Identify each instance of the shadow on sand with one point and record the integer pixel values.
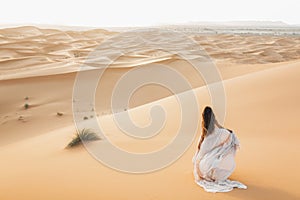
(261, 193)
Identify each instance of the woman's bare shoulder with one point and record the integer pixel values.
(224, 133)
(223, 130)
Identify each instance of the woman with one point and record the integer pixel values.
(214, 158)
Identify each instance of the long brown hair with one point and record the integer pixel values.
(208, 123)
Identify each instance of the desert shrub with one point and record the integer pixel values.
(59, 114)
(83, 135)
(26, 105)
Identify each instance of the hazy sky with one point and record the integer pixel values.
(143, 13)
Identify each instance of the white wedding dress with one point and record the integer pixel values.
(214, 163)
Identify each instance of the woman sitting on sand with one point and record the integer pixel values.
(214, 158)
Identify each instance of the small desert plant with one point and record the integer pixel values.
(77, 54)
(59, 114)
(26, 105)
(83, 135)
(21, 118)
(85, 118)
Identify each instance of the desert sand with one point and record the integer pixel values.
(38, 67)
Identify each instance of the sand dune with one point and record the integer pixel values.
(252, 49)
(38, 67)
(23, 47)
(267, 136)
(73, 47)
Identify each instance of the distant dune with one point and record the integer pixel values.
(30, 51)
(242, 23)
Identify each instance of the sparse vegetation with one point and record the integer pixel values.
(26, 98)
(59, 114)
(85, 118)
(77, 54)
(21, 118)
(26, 106)
(83, 135)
